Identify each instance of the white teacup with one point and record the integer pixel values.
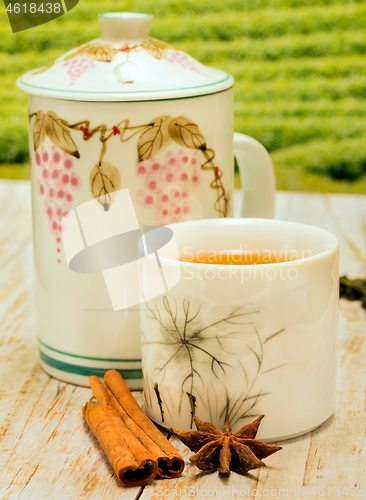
(245, 340)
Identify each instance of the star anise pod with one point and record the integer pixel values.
(225, 451)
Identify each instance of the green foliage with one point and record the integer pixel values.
(13, 145)
(304, 69)
(335, 43)
(299, 65)
(308, 90)
(340, 160)
(190, 7)
(289, 109)
(16, 64)
(276, 133)
(14, 171)
(265, 24)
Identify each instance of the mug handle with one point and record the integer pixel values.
(258, 183)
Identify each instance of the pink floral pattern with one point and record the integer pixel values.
(77, 67)
(56, 182)
(168, 185)
(181, 58)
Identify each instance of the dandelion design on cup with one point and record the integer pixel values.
(197, 354)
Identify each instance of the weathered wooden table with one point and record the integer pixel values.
(48, 453)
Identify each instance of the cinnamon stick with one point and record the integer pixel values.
(170, 463)
(163, 461)
(130, 460)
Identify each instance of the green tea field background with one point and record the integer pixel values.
(299, 66)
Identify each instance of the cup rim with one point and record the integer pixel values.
(252, 220)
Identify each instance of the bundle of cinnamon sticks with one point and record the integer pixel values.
(134, 446)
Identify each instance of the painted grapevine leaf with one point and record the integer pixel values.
(97, 51)
(39, 133)
(155, 138)
(156, 48)
(104, 179)
(186, 133)
(58, 131)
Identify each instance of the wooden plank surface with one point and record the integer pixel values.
(47, 451)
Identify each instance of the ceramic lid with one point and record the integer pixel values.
(124, 64)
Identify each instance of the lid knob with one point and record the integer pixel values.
(125, 26)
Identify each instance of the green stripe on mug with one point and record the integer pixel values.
(87, 371)
(113, 360)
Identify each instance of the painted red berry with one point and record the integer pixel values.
(84, 130)
(68, 163)
(56, 157)
(38, 158)
(116, 130)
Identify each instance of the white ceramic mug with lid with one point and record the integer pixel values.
(125, 111)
